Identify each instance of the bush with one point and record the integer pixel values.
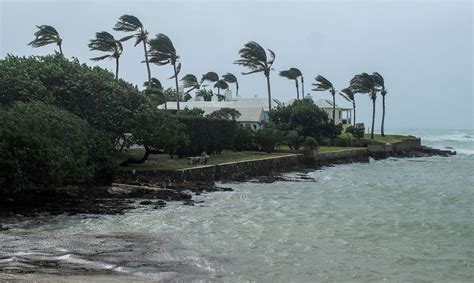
(356, 132)
(41, 146)
(207, 135)
(93, 94)
(243, 139)
(267, 139)
(293, 140)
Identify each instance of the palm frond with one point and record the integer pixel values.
(190, 80)
(288, 74)
(322, 84)
(126, 38)
(230, 78)
(347, 94)
(45, 35)
(162, 51)
(272, 57)
(210, 76)
(106, 42)
(221, 84)
(128, 23)
(101, 58)
(155, 83)
(254, 57)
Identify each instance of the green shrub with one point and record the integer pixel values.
(293, 140)
(41, 146)
(93, 94)
(356, 132)
(267, 139)
(207, 135)
(243, 139)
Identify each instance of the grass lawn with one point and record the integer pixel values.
(387, 138)
(336, 148)
(164, 162)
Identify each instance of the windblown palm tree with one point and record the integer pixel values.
(322, 84)
(220, 84)
(106, 42)
(210, 77)
(162, 52)
(364, 83)
(190, 81)
(254, 57)
(230, 78)
(153, 83)
(293, 74)
(129, 23)
(47, 35)
(349, 96)
(379, 81)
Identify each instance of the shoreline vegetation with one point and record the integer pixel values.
(70, 131)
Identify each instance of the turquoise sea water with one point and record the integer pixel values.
(395, 219)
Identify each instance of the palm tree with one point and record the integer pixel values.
(162, 52)
(220, 84)
(153, 83)
(47, 35)
(190, 81)
(254, 57)
(106, 42)
(349, 96)
(230, 78)
(379, 81)
(322, 84)
(293, 74)
(129, 23)
(364, 83)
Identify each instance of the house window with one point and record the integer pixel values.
(340, 114)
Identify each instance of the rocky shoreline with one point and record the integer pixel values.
(120, 197)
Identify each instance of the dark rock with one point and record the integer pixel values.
(146, 202)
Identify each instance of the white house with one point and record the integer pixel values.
(254, 110)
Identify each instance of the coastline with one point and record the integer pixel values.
(133, 189)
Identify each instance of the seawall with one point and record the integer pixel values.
(244, 170)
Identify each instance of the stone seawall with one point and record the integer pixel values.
(244, 170)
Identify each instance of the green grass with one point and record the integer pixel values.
(164, 162)
(387, 138)
(336, 148)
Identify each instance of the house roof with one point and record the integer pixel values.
(321, 103)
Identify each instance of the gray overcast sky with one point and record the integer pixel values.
(424, 49)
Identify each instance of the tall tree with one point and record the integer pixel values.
(293, 74)
(379, 81)
(220, 84)
(47, 35)
(162, 52)
(230, 78)
(106, 42)
(129, 23)
(153, 83)
(364, 83)
(349, 96)
(254, 57)
(322, 84)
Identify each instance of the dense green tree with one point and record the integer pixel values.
(267, 139)
(162, 52)
(305, 117)
(349, 96)
(90, 93)
(231, 79)
(47, 35)
(294, 74)
(129, 23)
(254, 57)
(379, 81)
(106, 42)
(42, 146)
(225, 113)
(365, 83)
(322, 84)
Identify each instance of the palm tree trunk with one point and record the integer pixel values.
(269, 94)
(116, 67)
(147, 63)
(334, 109)
(383, 115)
(354, 106)
(177, 88)
(302, 87)
(373, 119)
(60, 49)
(297, 90)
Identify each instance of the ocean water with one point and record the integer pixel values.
(396, 219)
